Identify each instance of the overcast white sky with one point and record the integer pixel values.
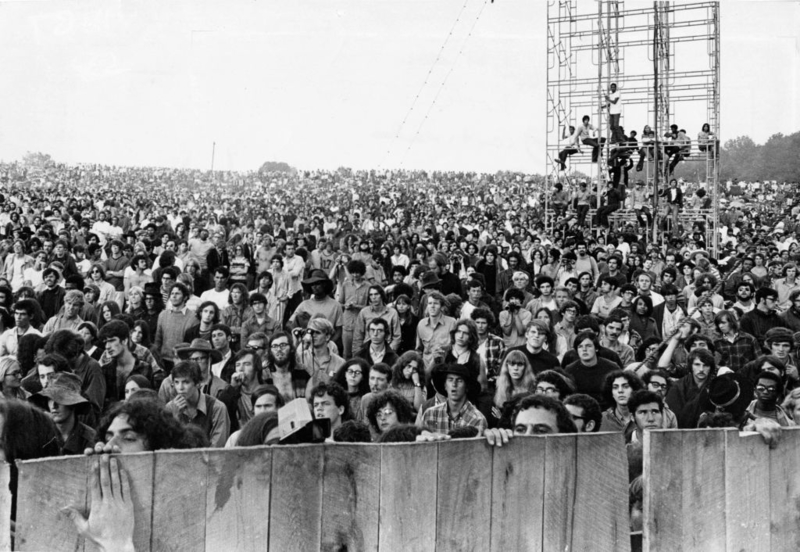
(326, 83)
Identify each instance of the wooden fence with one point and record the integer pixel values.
(704, 490)
(716, 490)
(563, 492)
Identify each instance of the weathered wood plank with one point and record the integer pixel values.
(5, 507)
(351, 497)
(704, 489)
(663, 490)
(559, 491)
(747, 487)
(237, 499)
(464, 495)
(601, 497)
(179, 501)
(784, 491)
(518, 495)
(45, 487)
(296, 502)
(408, 497)
(140, 468)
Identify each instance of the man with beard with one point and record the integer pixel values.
(744, 298)
(290, 378)
(614, 327)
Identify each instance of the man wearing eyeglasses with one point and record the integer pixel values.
(769, 390)
(763, 318)
(259, 342)
(585, 412)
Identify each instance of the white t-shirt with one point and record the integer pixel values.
(615, 108)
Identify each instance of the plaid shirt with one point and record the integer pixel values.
(735, 355)
(438, 419)
(491, 352)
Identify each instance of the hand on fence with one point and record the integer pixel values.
(769, 429)
(102, 448)
(110, 522)
(498, 437)
(430, 437)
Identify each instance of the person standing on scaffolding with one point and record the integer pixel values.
(614, 104)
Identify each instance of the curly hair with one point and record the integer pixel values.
(398, 379)
(159, 429)
(633, 380)
(403, 409)
(341, 379)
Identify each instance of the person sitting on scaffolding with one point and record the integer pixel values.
(648, 147)
(559, 200)
(708, 141)
(613, 199)
(571, 147)
(586, 135)
(619, 161)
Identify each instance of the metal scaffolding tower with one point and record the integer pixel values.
(664, 58)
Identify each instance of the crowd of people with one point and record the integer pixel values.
(147, 309)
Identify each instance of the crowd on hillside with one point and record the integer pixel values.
(144, 309)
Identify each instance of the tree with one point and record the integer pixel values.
(274, 166)
(37, 160)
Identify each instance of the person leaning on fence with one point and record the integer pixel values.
(534, 415)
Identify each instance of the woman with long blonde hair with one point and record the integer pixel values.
(516, 378)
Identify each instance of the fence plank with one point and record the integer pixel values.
(464, 495)
(784, 491)
(559, 491)
(179, 501)
(5, 506)
(296, 503)
(237, 499)
(663, 489)
(44, 487)
(747, 492)
(140, 468)
(351, 497)
(704, 489)
(408, 497)
(518, 495)
(601, 499)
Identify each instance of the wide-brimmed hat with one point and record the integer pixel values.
(439, 376)
(428, 278)
(152, 288)
(64, 388)
(199, 344)
(318, 277)
(729, 392)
